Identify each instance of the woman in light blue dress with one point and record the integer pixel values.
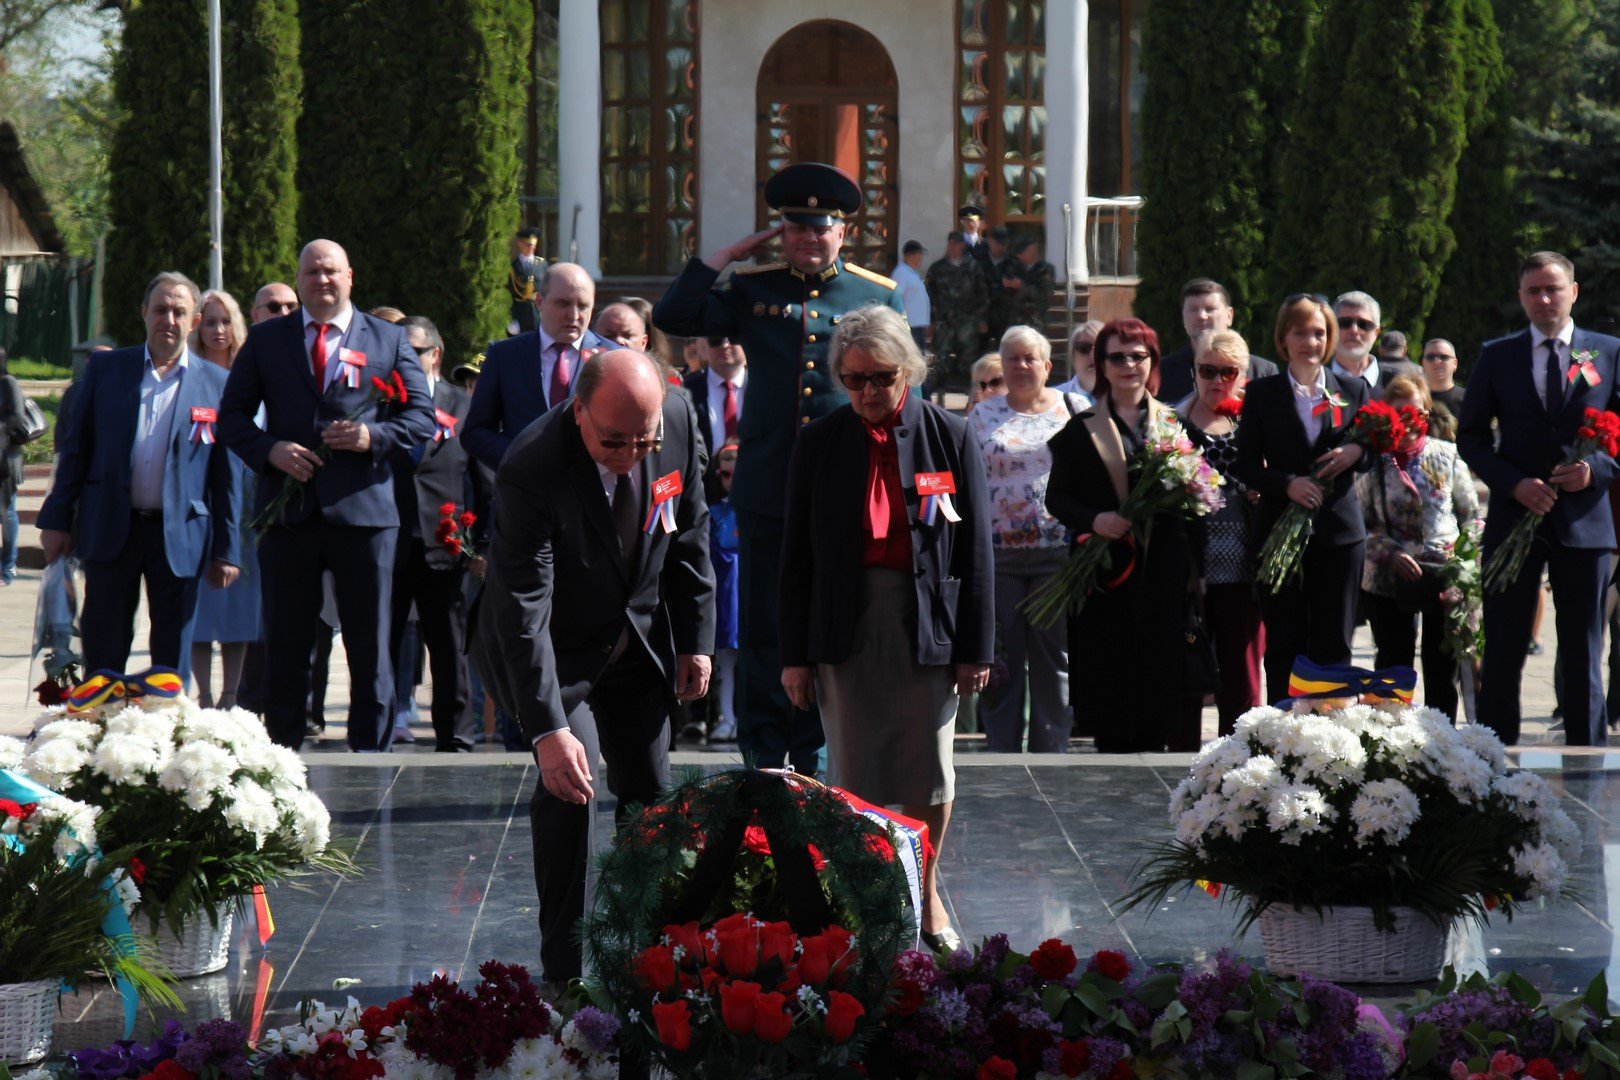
(229, 616)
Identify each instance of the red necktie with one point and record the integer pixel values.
(559, 375)
(317, 357)
(877, 493)
(730, 411)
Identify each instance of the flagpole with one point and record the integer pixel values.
(216, 155)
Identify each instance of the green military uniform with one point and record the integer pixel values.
(1032, 301)
(784, 320)
(959, 302)
(1003, 301)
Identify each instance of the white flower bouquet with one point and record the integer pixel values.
(1373, 805)
(205, 803)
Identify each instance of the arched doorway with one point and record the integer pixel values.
(827, 92)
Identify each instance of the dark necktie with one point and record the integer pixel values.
(561, 377)
(317, 357)
(626, 517)
(1555, 379)
(729, 413)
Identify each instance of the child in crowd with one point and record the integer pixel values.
(723, 553)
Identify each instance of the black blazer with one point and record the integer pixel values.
(821, 539)
(559, 591)
(1087, 478)
(1526, 441)
(440, 477)
(1272, 450)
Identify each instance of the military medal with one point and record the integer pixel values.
(759, 309)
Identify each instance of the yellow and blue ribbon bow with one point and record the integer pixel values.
(18, 788)
(104, 685)
(1309, 680)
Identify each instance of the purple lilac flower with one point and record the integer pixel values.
(993, 952)
(1104, 1053)
(599, 1029)
(1362, 1058)
(221, 1044)
(949, 1007)
(127, 1058)
(960, 962)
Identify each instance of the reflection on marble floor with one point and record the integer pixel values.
(1035, 850)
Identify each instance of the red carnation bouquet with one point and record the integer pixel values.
(1229, 407)
(1377, 427)
(748, 998)
(454, 532)
(390, 391)
(1600, 432)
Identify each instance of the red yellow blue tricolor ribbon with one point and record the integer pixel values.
(1308, 680)
(104, 685)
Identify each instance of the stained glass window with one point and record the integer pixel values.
(1001, 110)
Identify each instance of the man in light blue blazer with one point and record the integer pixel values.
(327, 432)
(153, 490)
(1535, 386)
(528, 375)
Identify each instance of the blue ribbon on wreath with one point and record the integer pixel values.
(115, 923)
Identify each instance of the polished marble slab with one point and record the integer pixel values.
(1040, 846)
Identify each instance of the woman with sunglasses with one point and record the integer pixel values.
(986, 379)
(1289, 450)
(1417, 499)
(1225, 542)
(1126, 645)
(886, 615)
(1030, 544)
(1082, 361)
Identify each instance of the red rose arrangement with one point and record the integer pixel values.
(1600, 433)
(454, 531)
(748, 997)
(1376, 426)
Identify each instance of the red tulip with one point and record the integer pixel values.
(654, 967)
(771, 1023)
(777, 942)
(739, 950)
(689, 939)
(737, 1006)
(842, 1012)
(674, 1023)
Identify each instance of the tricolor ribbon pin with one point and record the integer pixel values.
(447, 425)
(665, 489)
(202, 424)
(936, 489)
(354, 365)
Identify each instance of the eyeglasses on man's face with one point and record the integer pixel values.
(280, 307)
(1366, 326)
(611, 441)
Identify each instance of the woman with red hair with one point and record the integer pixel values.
(1126, 645)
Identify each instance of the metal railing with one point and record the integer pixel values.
(1111, 237)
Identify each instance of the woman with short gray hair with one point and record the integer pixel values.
(1031, 545)
(886, 592)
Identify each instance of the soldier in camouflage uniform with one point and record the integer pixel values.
(958, 298)
(783, 314)
(1003, 308)
(1029, 285)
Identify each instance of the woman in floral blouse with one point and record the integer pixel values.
(1030, 544)
(1417, 500)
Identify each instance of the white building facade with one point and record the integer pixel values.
(672, 113)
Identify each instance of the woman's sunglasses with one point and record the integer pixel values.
(991, 384)
(1214, 373)
(857, 381)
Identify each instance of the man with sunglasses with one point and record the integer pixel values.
(598, 612)
(717, 390)
(1206, 306)
(1358, 315)
(273, 300)
(783, 314)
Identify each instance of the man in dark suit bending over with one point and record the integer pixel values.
(598, 612)
(1535, 385)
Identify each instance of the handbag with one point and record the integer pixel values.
(1201, 672)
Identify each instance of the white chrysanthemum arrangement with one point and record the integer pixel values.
(1375, 805)
(208, 803)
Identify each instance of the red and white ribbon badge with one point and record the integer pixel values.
(202, 424)
(447, 425)
(665, 489)
(354, 365)
(936, 489)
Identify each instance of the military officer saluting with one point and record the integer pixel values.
(783, 314)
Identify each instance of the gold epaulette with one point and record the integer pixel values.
(872, 276)
(760, 269)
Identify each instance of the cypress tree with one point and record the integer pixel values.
(413, 165)
(1378, 206)
(1202, 132)
(158, 163)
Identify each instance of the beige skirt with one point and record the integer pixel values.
(889, 720)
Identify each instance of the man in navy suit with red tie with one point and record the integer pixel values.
(1535, 386)
(528, 375)
(311, 370)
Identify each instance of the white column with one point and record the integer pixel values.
(579, 133)
(1067, 115)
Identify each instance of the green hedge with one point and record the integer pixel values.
(409, 139)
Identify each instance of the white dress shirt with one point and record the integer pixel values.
(717, 407)
(1305, 401)
(337, 336)
(914, 294)
(548, 362)
(1538, 355)
(154, 420)
(1369, 373)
